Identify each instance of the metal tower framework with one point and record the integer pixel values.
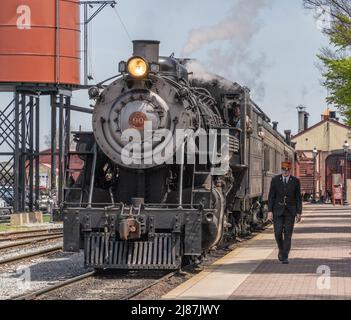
(20, 132)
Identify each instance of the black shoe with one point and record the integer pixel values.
(280, 257)
(285, 261)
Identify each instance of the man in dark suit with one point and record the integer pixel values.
(285, 208)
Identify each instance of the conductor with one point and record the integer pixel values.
(285, 208)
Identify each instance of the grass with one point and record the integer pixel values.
(5, 225)
(46, 218)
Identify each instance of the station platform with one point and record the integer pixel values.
(319, 269)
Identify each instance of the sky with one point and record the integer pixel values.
(268, 45)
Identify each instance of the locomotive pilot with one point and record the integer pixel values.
(285, 208)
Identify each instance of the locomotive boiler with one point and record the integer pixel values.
(170, 171)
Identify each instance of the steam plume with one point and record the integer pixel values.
(233, 36)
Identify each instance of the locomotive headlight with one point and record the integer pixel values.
(137, 67)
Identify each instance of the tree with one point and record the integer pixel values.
(336, 59)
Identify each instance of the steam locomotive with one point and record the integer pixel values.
(170, 169)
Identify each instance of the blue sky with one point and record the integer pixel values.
(281, 51)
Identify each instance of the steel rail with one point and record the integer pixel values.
(23, 243)
(29, 236)
(20, 236)
(29, 231)
(148, 286)
(34, 295)
(31, 255)
(38, 293)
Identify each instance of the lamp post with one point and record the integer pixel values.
(315, 153)
(346, 147)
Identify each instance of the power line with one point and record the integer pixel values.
(122, 23)
(87, 20)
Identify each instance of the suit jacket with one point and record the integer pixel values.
(285, 197)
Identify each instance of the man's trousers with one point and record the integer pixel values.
(283, 231)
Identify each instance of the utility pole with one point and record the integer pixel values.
(87, 19)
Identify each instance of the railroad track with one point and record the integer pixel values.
(30, 242)
(36, 294)
(31, 254)
(148, 286)
(50, 289)
(30, 234)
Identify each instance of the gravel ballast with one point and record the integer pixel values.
(33, 274)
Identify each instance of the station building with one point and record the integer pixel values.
(323, 156)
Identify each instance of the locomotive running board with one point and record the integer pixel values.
(163, 252)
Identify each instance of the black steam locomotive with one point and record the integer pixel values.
(175, 165)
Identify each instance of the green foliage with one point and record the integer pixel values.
(338, 66)
(340, 33)
(5, 227)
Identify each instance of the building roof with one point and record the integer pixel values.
(320, 123)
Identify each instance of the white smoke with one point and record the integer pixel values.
(232, 56)
(199, 72)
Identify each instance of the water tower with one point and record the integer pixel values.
(39, 56)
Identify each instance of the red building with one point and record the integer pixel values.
(45, 167)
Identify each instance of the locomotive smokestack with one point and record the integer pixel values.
(147, 49)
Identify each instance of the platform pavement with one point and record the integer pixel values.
(321, 246)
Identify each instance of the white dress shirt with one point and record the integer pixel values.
(286, 179)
